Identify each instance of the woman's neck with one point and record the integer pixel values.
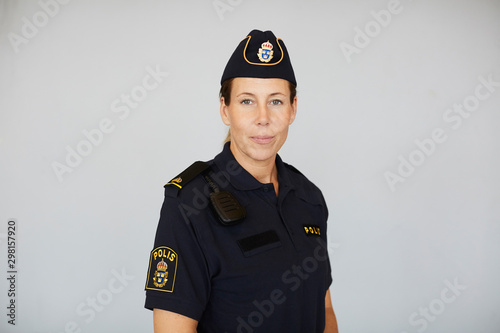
(264, 171)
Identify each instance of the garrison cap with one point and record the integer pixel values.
(260, 55)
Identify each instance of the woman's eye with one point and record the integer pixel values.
(276, 102)
(246, 102)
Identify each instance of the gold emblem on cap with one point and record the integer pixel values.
(261, 63)
(265, 53)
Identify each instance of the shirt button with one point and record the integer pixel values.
(266, 188)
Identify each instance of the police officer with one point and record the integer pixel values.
(241, 242)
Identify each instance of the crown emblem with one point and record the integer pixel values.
(265, 53)
(162, 266)
(267, 45)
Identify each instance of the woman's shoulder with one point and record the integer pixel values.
(182, 180)
(302, 183)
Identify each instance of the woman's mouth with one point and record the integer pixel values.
(262, 139)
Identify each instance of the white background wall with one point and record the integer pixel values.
(370, 86)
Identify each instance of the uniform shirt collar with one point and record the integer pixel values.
(242, 179)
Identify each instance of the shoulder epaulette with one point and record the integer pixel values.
(189, 174)
(225, 205)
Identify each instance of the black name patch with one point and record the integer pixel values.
(260, 242)
(312, 230)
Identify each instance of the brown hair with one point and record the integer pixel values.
(225, 91)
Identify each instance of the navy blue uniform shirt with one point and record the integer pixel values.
(268, 273)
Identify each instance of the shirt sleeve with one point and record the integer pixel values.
(178, 278)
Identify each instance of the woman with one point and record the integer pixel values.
(241, 242)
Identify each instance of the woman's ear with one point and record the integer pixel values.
(224, 114)
(294, 110)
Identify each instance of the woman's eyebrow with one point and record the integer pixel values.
(277, 93)
(251, 94)
(245, 93)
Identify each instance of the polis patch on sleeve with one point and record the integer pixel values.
(162, 269)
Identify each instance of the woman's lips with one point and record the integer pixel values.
(261, 139)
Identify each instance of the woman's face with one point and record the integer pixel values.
(259, 115)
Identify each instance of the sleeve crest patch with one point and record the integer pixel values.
(162, 269)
